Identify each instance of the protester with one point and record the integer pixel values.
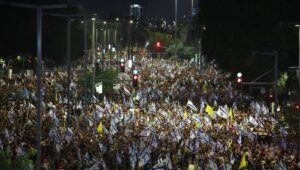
(179, 117)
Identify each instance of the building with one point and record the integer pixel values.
(135, 11)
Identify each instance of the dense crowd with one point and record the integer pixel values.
(179, 117)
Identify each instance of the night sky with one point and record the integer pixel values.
(151, 8)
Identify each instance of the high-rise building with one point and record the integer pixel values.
(135, 11)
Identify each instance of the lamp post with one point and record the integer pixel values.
(192, 8)
(298, 25)
(175, 19)
(85, 65)
(175, 37)
(130, 42)
(94, 56)
(116, 38)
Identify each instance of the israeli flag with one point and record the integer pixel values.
(144, 158)
(192, 134)
(222, 113)
(212, 165)
(69, 134)
(207, 121)
(113, 128)
(154, 142)
(282, 166)
(127, 92)
(118, 157)
(169, 161)
(159, 165)
(231, 159)
(191, 105)
(240, 139)
(145, 133)
(202, 107)
(253, 121)
(283, 131)
(197, 119)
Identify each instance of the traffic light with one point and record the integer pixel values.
(158, 44)
(122, 66)
(135, 78)
(239, 79)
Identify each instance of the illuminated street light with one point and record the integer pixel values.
(239, 74)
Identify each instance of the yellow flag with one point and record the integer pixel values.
(197, 124)
(230, 114)
(243, 162)
(100, 128)
(185, 114)
(229, 143)
(204, 88)
(55, 97)
(209, 109)
(115, 106)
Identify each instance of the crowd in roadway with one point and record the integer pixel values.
(179, 117)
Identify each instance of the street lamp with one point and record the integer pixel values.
(94, 56)
(130, 47)
(298, 25)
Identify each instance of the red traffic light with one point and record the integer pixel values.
(239, 80)
(135, 77)
(158, 44)
(122, 67)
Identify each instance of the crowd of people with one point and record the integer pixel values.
(179, 117)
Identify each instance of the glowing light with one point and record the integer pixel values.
(239, 74)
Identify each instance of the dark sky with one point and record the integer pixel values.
(151, 8)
